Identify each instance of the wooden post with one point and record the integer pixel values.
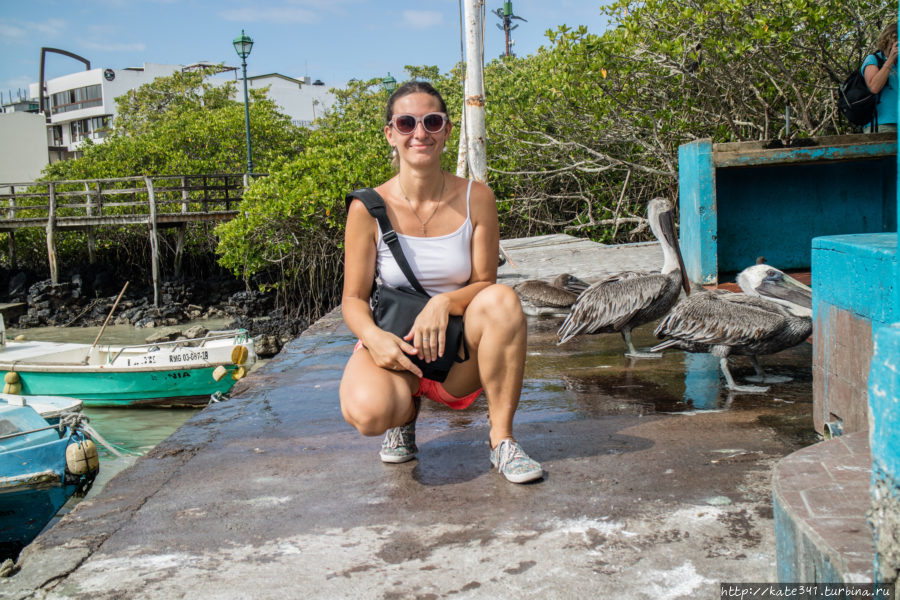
(154, 241)
(89, 209)
(475, 127)
(12, 237)
(51, 234)
(180, 232)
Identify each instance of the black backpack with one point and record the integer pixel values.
(855, 101)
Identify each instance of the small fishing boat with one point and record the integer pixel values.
(42, 465)
(171, 373)
(51, 408)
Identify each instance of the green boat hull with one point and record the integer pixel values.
(128, 388)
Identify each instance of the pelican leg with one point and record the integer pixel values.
(761, 376)
(632, 353)
(748, 389)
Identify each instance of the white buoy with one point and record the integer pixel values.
(82, 457)
(219, 372)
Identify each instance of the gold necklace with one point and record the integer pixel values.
(436, 206)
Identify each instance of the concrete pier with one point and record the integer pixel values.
(651, 490)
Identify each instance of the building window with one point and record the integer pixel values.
(95, 128)
(56, 137)
(76, 99)
(99, 127)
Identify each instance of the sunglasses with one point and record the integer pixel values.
(432, 123)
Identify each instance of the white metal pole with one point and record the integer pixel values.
(474, 92)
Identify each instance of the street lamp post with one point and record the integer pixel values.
(389, 83)
(243, 45)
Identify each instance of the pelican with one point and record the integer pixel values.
(540, 298)
(774, 313)
(623, 301)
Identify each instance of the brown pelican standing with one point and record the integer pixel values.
(540, 298)
(774, 313)
(623, 301)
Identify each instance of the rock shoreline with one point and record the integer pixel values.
(72, 304)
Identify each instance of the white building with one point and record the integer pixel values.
(82, 105)
(23, 153)
(303, 100)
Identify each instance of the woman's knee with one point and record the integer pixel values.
(360, 411)
(370, 408)
(498, 304)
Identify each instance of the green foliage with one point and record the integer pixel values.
(176, 125)
(184, 125)
(584, 132)
(580, 135)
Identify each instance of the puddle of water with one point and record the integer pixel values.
(591, 376)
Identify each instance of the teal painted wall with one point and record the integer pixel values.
(739, 204)
(884, 400)
(697, 211)
(776, 211)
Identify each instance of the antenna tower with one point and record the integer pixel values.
(506, 15)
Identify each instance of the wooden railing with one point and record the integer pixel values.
(86, 203)
(158, 201)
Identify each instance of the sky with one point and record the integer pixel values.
(331, 40)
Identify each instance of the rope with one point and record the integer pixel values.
(109, 446)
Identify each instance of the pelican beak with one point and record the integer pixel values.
(785, 287)
(667, 226)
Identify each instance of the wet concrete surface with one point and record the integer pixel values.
(657, 485)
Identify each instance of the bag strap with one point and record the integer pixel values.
(374, 203)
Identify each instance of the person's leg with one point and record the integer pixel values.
(373, 399)
(496, 335)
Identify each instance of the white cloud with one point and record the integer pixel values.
(423, 18)
(11, 32)
(14, 31)
(113, 47)
(51, 27)
(284, 14)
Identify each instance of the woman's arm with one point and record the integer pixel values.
(877, 78)
(387, 349)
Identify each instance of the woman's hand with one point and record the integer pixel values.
(429, 331)
(390, 352)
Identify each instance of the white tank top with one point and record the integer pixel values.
(441, 264)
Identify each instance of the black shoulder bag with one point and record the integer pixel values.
(396, 309)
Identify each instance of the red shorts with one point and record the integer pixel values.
(433, 390)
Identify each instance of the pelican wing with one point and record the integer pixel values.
(720, 318)
(541, 293)
(611, 303)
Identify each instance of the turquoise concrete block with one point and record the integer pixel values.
(697, 211)
(884, 400)
(856, 273)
